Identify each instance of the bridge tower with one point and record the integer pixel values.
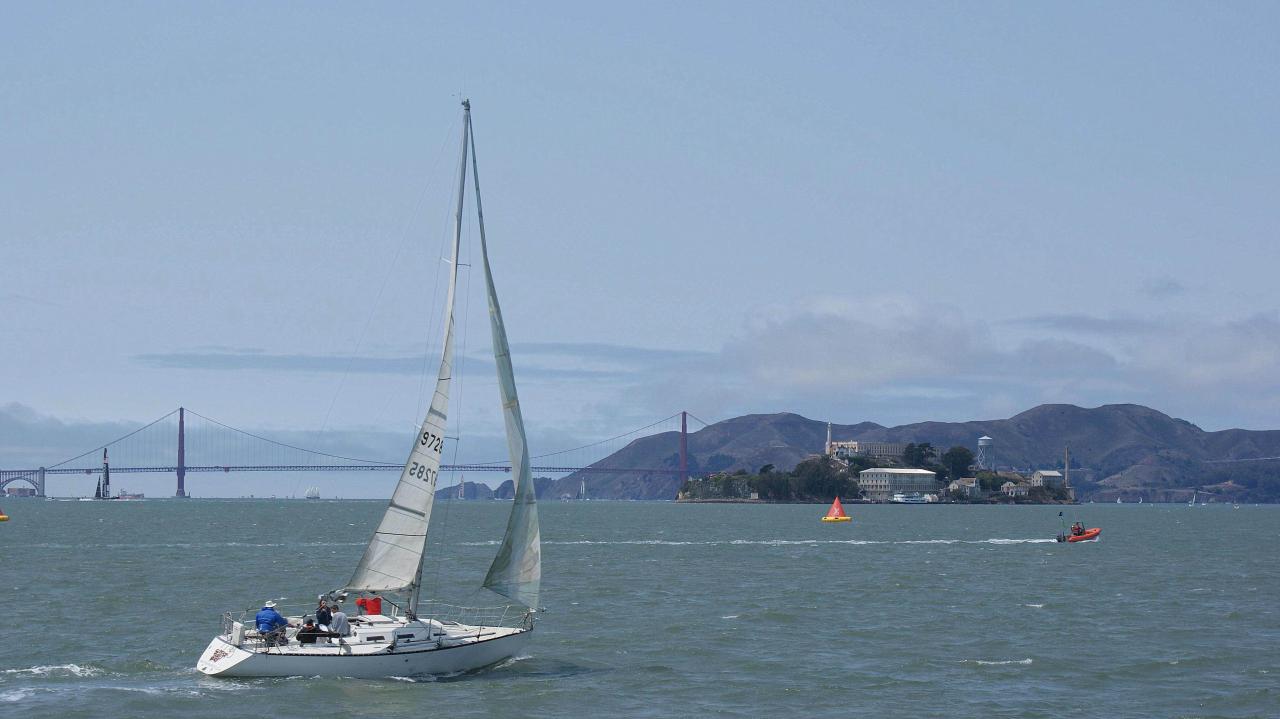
(182, 453)
(40, 482)
(684, 447)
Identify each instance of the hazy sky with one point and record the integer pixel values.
(888, 212)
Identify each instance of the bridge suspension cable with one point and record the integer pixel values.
(596, 444)
(282, 444)
(702, 421)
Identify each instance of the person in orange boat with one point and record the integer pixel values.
(1077, 529)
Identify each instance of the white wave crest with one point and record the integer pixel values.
(997, 663)
(74, 670)
(16, 695)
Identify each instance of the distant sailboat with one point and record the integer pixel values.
(836, 513)
(1192, 503)
(312, 493)
(103, 490)
(400, 641)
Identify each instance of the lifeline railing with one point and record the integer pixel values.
(506, 616)
(511, 616)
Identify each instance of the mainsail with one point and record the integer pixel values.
(516, 571)
(393, 560)
(106, 476)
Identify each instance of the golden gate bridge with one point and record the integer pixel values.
(184, 441)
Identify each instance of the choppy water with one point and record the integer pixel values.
(664, 610)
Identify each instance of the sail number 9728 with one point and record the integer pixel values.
(422, 471)
(431, 441)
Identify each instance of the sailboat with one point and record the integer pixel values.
(407, 639)
(103, 490)
(836, 513)
(1192, 503)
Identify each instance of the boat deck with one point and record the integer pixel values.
(371, 634)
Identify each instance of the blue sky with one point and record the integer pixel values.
(889, 212)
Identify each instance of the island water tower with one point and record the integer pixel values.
(986, 458)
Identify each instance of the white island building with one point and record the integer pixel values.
(880, 483)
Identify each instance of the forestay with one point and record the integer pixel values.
(516, 571)
(393, 560)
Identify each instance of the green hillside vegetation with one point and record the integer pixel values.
(813, 480)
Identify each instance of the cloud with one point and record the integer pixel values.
(896, 360)
(1237, 356)
(235, 360)
(258, 360)
(29, 439)
(1087, 324)
(609, 352)
(886, 359)
(1163, 288)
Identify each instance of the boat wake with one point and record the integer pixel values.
(776, 542)
(996, 663)
(74, 670)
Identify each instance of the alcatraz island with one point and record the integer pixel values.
(911, 473)
(1118, 452)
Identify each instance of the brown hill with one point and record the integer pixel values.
(1119, 450)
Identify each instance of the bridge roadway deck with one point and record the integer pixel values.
(11, 473)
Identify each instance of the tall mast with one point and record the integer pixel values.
(416, 592)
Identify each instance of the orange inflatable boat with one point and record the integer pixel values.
(1085, 536)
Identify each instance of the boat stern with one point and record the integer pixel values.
(220, 657)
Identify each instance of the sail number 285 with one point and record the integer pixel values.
(422, 471)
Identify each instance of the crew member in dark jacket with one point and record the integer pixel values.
(310, 632)
(323, 615)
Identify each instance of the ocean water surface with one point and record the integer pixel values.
(666, 610)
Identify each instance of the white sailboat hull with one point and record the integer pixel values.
(223, 659)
